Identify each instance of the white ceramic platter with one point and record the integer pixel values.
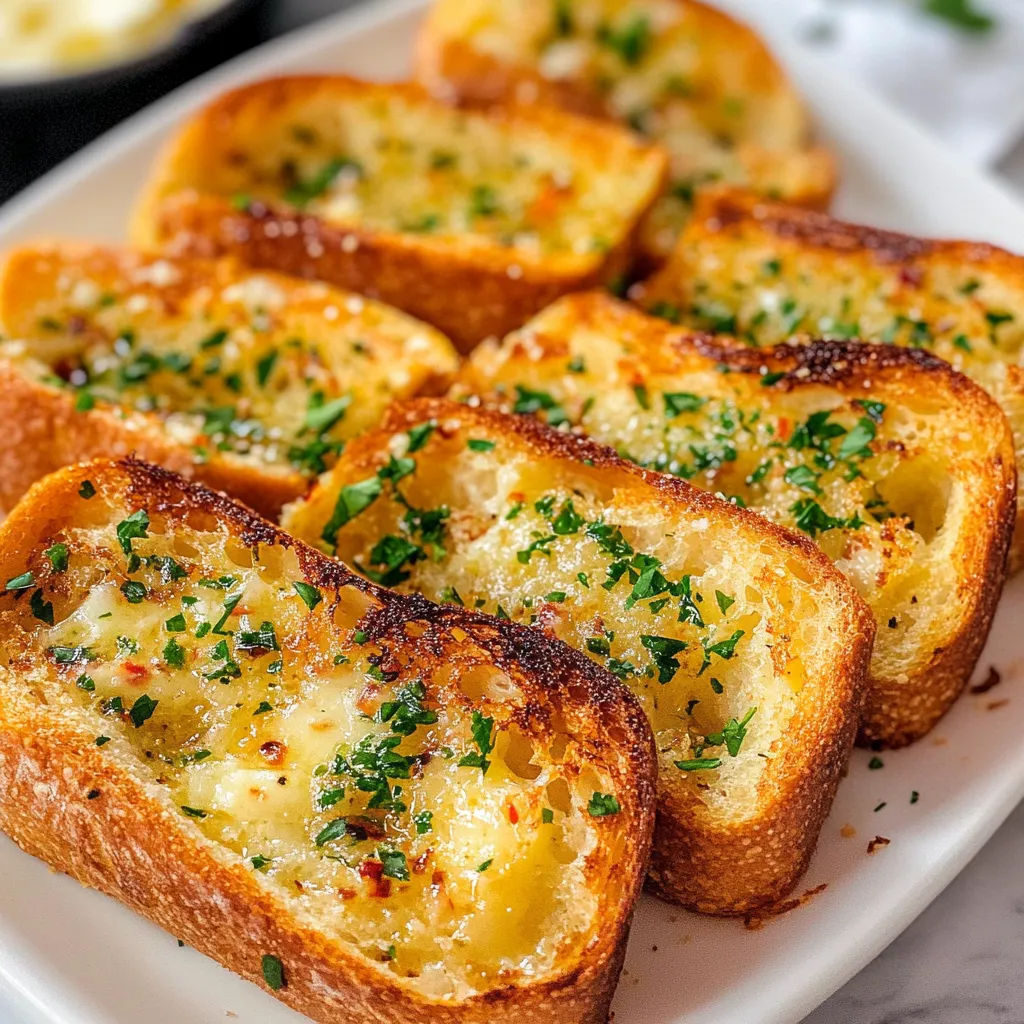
(68, 956)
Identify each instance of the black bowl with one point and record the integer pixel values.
(44, 119)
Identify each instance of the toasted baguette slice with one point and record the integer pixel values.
(470, 221)
(685, 74)
(249, 381)
(361, 798)
(745, 646)
(901, 469)
(768, 272)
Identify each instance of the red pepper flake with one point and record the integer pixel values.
(273, 752)
(347, 894)
(995, 705)
(877, 843)
(990, 681)
(419, 865)
(784, 428)
(911, 276)
(513, 814)
(137, 671)
(373, 872)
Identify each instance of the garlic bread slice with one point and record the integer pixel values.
(901, 470)
(684, 74)
(247, 380)
(470, 221)
(743, 643)
(355, 798)
(770, 273)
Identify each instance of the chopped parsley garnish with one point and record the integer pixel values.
(631, 42)
(135, 527)
(423, 822)
(273, 973)
(321, 416)
(70, 655)
(58, 556)
(134, 592)
(419, 435)
(475, 444)
(22, 582)
(602, 805)
(174, 654)
(255, 640)
(732, 735)
(482, 730)
(142, 710)
(303, 192)
(230, 604)
(724, 649)
(394, 863)
(405, 712)
(699, 764)
(41, 608)
(678, 402)
(87, 490)
(663, 653)
(529, 401)
(332, 830)
(310, 595)
(352, 499)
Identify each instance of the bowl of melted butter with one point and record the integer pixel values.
(51, 42)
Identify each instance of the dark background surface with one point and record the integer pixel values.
(38, 129)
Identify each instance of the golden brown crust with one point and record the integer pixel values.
(714, 866)
(130, 843)
(47, 431)
(468, 291)
(893, 271)
(727, 54)
(898, 711)
(901, 706)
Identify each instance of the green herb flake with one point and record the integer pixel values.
(142, 710)
(58, 556)
(678, 402)
(310, 595)
(174, 654)
(394, 863)
(699, 764)
(603, 805)
(22, 582)
(352, 499)
(663, 653)
(482, 730)
(273, 973)
(134, 592)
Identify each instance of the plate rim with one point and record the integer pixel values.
(109, 148)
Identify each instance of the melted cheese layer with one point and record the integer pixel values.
(447, 847)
